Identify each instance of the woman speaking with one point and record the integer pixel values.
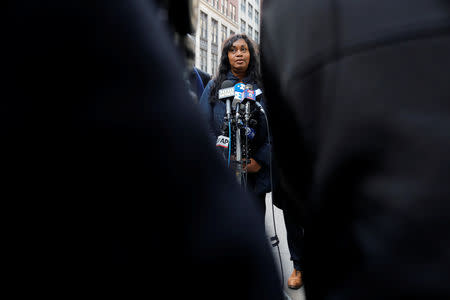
(239, 62)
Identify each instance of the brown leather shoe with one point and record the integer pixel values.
(295, 281)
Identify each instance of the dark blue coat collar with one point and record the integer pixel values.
(246, 80)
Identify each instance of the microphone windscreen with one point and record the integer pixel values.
(227, 84)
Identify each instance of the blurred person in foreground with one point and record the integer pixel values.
(363, 89)
(103, 174)
(180, 17)
(239, 62)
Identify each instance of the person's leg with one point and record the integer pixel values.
(294, 235)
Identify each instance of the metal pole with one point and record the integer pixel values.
(238, 147)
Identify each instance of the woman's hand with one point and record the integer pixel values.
(252, 167)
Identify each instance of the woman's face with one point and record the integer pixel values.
(239, 56)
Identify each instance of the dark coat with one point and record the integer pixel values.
(359, 98)
(198, 81)
(215, 113)
(117, 192)
(206, 77)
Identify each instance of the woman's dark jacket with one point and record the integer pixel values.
(260, 149)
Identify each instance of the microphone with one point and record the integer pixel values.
(249, 132)
(247, 112)
(252, 95)
(257, 93)
(223, 141)
(261, 109)
(249, 95)
(226, 89)
(239, 89)
(226, 92)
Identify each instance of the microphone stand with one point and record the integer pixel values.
(239, 169)
(228, 125)
(247, 119)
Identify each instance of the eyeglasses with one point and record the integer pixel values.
(234, 50)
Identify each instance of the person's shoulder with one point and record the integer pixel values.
(206, 92)
(203, 73)
(209, 84)
(206, 77)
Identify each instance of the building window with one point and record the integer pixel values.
(256, 36)
(203, 26)
(256, 17)
(203, 60)
(213, 63)
(203, 41)
(233, 12)
(250, 31)
(215, 3)
(223, 33)
(250, 11)
(227, 11)
(243, 6)
(214, 31)
(223, 6)
(232, 32)
(243, 24)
